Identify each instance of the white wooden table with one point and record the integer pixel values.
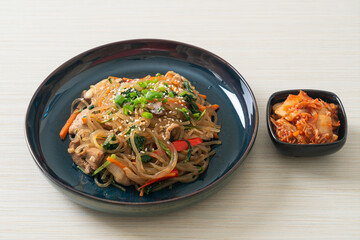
(275, 44)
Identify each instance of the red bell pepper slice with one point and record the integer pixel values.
(181, 145)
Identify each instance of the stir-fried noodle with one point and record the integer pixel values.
(150, 132)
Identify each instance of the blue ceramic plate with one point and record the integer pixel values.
(211, 75)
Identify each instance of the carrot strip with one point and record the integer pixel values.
(107, 91)
(175, 82)
(119, 164)
(215, 107)
(175, 101)
(201, 107)
(202, 96)
(68, 123)
(216, 136)
(173, 173)
(142, 192)
(84, 119)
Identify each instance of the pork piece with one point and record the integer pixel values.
(87, 95)
(118, 80)
(156, 108)
(169, 129)
(89, 159)
(78, 122)
(194, 133)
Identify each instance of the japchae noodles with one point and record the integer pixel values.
(150, 132)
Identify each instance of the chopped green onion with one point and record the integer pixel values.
(171, 94)
(91, 107)
(200, 168)
(162, 88)
(99, 169)
(150, 95)
(185, 112)
(201, 115)
(139, 100)
(113, 156)
(136, 101)
(164, 100)
(155, 80)
(107, 120)
(82, 170)
(143, 92)
(183, 93)
(158, 75)
(188, 155)
(147, 115)
(131, 108)
(196, 115)
(167, 85)
(125, 111)
(110, 80)
(119, 100)
(131, 93)
(167, 150)
(159, 95)
(146, 158)
(143, 84)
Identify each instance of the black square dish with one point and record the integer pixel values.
(307, 150)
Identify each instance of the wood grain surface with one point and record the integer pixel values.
(275, 45)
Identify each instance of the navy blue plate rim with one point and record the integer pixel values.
(73, 190)
(292, 91)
